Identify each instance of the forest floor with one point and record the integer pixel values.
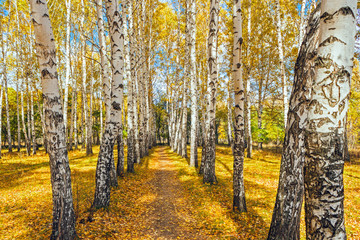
(164, 199)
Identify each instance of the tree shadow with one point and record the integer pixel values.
(249, 225)
(12, 174)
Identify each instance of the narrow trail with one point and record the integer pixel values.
(169, 216)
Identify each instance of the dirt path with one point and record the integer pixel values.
(169, 217)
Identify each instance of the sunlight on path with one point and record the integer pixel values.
(168, 217)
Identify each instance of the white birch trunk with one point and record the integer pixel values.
(281, 59)
(183, 146)
(325, 138)
(18, 59)
(67, 60)
(104, 68)
(209, 169)
(8, 127)
(230, 122)
(63, 210)
(193, 84)
(285, 223)
(239, 204)
(83, 77)
(113, 126)
(248, 88)
(33, 122)
(302, 22)
(71, 134)
(89, 120)
(75, 118)
(129, 54)
(27, 142)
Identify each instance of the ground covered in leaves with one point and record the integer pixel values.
(164, 199)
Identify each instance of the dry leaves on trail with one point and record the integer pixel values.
(164, 199)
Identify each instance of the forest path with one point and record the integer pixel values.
(169, 215)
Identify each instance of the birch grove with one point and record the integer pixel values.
(151, 102)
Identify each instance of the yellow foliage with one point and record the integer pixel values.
(204, 210)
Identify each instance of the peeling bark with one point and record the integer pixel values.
(324, 137)
(285, 222)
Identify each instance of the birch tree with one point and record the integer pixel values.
(113, 126)
(5, 78)
(281, 59)
(209, 168)
(63, 226)
(83, 77)
(302, 22)
(193, 84)
(129, 54)
(248, 88)
(67, 60)
(325, 138)
(285, 222)
(103, 61)
(239, 203)
(18, 60)
(183, 143)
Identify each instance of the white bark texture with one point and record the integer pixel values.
(83, 77)
(141, 81)
(302, 22)
(27, 142)
(8, 127)
(103, 59)
(183, 144)
(193, 84)
(281, 59)
(18, 61)
(130, 71)
(113, 125)
(286, 216)
(239, 204)
(67, 60)
(89, 120)
(63, 211)
(325, 138)
(33, 121)
(248, 88)
(209, 169)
